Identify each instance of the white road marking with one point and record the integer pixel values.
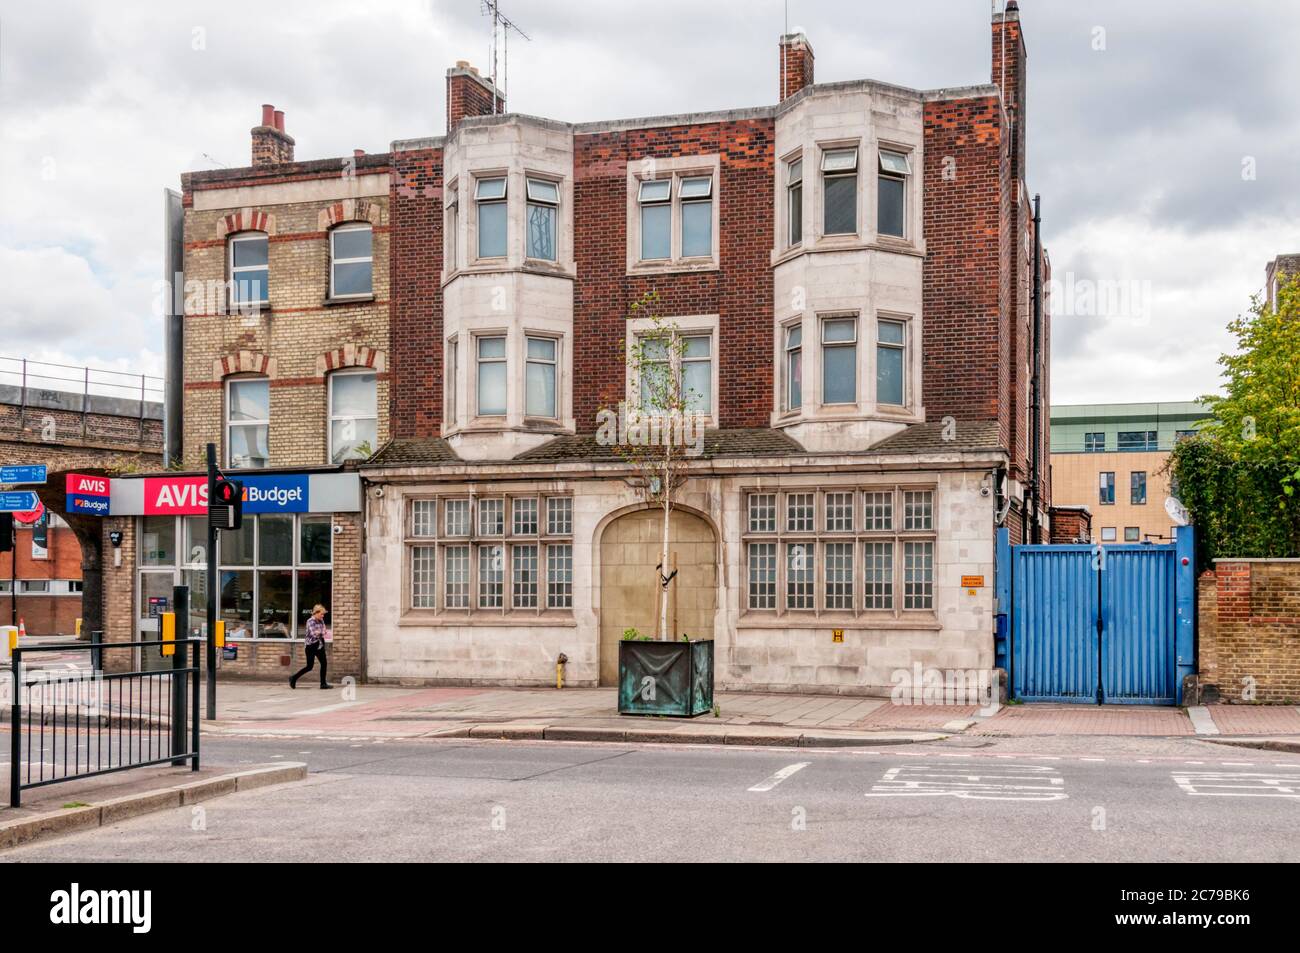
(1202, 721)
(1236, 764)
(326, 708)
(1238, 783)
(948, 754)
(774, 780)
(1193, 762)
(1092, 759)
(1010, 783)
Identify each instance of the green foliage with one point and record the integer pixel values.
(634, 635)
(1240, 476)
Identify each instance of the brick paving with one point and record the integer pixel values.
(1015, 720)
(1256, 719)
(920, 717)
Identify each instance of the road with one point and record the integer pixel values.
(1091, 799)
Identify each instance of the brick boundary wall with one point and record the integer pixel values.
(1249, 628)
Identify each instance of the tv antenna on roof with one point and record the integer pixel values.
(503, 25)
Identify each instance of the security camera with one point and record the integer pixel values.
(337, 529)
(379, 492)
(985, 490)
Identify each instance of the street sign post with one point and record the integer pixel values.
(27, 473)
(19, 501)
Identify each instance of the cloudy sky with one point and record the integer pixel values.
(1162, 136)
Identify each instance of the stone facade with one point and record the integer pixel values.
(1248, 621)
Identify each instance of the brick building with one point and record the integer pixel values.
(405, 356)
(40, 579)
(848, 274)
(285, 370)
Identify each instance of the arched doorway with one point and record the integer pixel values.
(629, 552)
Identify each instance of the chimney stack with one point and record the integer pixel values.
(469, 94)
(271, 144)
(1009, 67)
(796, 64)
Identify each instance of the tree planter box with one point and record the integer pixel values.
(665, 678)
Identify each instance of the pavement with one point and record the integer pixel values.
(364, 711)
(964, 799)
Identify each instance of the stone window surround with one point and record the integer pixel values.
(814, 240)
(819, 536)
(473, 615)
(695, 325)
(459, 192)
(812, 409)
(676, 168)
(464, 403)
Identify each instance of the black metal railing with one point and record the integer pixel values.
(80, 723)
(33, 386)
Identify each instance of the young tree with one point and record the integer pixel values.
(660, 430)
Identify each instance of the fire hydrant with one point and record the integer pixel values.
(559, 670)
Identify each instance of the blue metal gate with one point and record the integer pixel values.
(1097, 624)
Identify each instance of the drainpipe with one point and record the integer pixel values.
(173, 328)
(1036, 426)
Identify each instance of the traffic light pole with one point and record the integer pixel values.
(212, 589)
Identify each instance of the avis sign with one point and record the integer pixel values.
(175, 496)
(88, 494)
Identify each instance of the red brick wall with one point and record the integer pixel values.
(740, 292)
(963, 343)
(1069, 526)
(415, 309)
(466, 96)
(1248, 625)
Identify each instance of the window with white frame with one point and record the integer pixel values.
(794, 202)
(451, 229)
(891, 362)
(655, 197)
(683, 360)
(491, 376)
(840, 191)
(840, 360)
(543, 202)
(490, 202)
(540, 377)
(249, 269)
(676, 217)
(696, 194)
(248, 423)
(836, 549)
(351, 261)
(891, 198)
(518, 559)
(794, 367)
(354, 415)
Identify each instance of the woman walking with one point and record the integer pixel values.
(316, 633)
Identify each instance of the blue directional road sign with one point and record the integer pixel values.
(18, 501)
(29, 473)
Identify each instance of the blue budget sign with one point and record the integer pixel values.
(276, 493)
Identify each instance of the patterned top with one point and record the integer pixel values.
(315, 631)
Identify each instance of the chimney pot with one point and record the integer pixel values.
(358, 153)
(462, 64)
(268, 114)
(279, 120)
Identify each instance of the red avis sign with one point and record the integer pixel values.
(82, 485)
(175, 496)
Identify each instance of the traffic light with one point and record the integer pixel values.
(226, 503)
(6, 532)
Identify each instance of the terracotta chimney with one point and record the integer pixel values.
(469, 94)
(796, 64)
(271, 144)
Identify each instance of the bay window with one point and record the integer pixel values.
(839, 360)
(891, 362)
(891, 198)
(543, 199)
(540, 377)
(491, 376)
(490, 199)
(794, 367)
(794, 202)
(840, 192)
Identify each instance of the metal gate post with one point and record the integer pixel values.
(1002, 604)
(15, 723)
(1184, 608)
(180, 661)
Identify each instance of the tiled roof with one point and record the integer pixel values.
(934, 437)
(757, 441)
(414, 452)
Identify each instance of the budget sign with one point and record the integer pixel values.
(280, 493)
(88, 494)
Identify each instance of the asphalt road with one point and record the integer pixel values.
(1089, 799)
